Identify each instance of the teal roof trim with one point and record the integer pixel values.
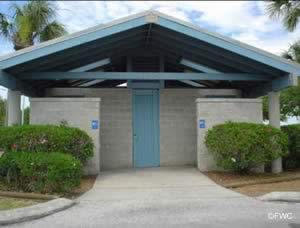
(230, 44)
(141, 19)
(66, 42)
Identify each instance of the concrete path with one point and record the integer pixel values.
(167, 197)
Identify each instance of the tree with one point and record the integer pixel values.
(31, 23)
(2, 111)
(290, 97)
(288, 11)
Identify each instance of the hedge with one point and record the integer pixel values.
(40, 172)
(47, 138)
(242, 146)
(293, 159)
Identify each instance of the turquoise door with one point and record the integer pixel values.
(145, 128)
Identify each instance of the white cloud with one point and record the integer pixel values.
(242, 20)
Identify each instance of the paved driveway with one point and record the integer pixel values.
(166, 197)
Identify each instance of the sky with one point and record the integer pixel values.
(246, 21)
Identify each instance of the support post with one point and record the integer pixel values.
(13, 107)
(274, 118)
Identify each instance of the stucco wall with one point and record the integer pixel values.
(178, 133)
(217, 111)
(78, 112)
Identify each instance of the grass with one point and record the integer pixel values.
(11, 203)
(7, 203)
(252, 184)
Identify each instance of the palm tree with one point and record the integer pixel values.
(293, 52)
(290, 97)
(31, 23)
(288, 10)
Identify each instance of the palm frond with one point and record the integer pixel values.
(293, 52)
(287, 55)
(31, 22)
(52, 30)
(287, 10)
(40, 13)
(5, 26)
(291, 20)
(277, 8)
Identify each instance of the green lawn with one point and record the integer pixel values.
(11, 203)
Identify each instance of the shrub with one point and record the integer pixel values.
(41, 172)
(293, 159)
(241, 146)
(47, 138)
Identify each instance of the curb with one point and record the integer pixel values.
(34, 212)
(266, 181)
(293, 197)
(25, 195)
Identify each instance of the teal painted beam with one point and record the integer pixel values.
(231, 45)
(284, 82)
(143, 76)
(64, 44)
(92, 66)
(275, 85)
(11, 82)
(8, 80)
(198, 66)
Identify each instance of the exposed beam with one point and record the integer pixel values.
(192, 83)
(274, 85)
(8, 80)
(143, 76)
(63, 43)
(92, 66)
(284, 82)
(148, 35)
(215, 51)
(11, 82)
(197, 66)
(88, 67)
(93, 82)
(228, 44)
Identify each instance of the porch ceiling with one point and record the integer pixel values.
(149, 38)
(148, 33)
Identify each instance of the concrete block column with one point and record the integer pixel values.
(83, 113)
(14, 115)
(274, 118)
(213, 111)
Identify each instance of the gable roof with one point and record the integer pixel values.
(141, 19)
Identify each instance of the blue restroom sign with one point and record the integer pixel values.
(95, 124)
(201, 123)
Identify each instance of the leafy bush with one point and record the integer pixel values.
(293, 159)
(47, 138)
(41, 172)
(241, 146)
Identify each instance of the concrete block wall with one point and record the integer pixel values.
(218, 111)
(178, 133)
(78, 112)
(116, 123)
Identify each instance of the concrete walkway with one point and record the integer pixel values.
(167, 197)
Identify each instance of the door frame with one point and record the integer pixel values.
(156, 95)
